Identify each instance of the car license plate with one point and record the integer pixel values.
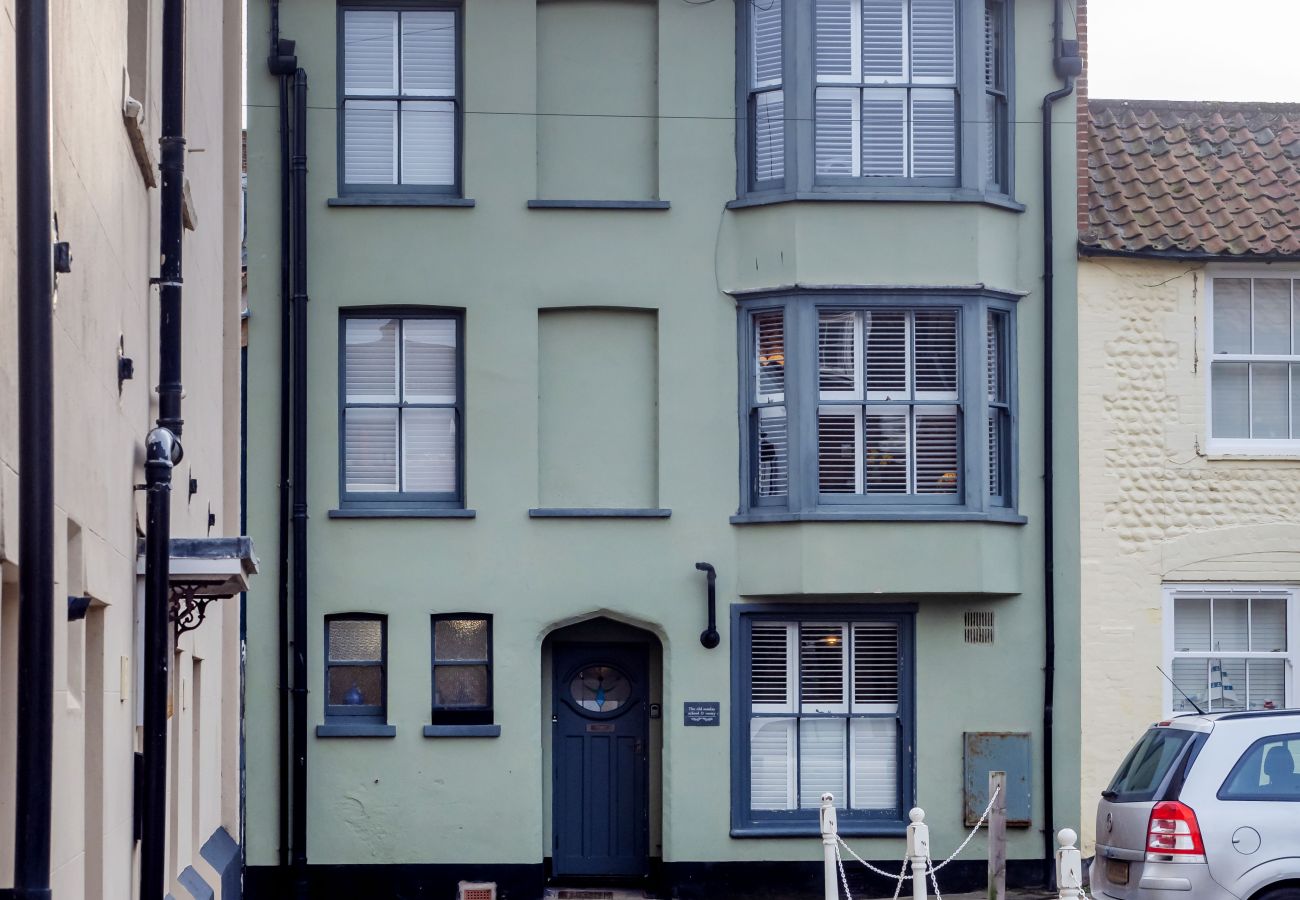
(1117, 871)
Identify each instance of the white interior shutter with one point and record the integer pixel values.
(429, 450)
(429, 360)
(370, 360)
(823, 667)
(769, 136)
(875, 763)
(934, 41)
(934, 133)
(875, 667)
(370, 450)
(838, 457)
(938, 463)
(773, 452)
(935, 354)
(836, 131)
(887, 354)
(1265, 684)
(772, 687)
(769, 357)
(771, 764)
(836, 29)
(1230, 624)
(429, 53)
(428, 142)
(1268, 624)
(1191, 624)
(823, 759)
(886, 439)
(996, 389)
(884, 41)
(884, 133)
(765, 36)
(369, 52)
(837, 353)
(370, 142)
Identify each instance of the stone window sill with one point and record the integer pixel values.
(359, 730)
(397, 512)
(879, 195)
(401, 200)
(597, 513)
(599, 204)
(462, 731)
(764, 517)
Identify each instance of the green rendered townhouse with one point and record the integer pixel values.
(574, 319)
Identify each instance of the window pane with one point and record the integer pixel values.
(369, 52)
(1227, 684)
(937, 442)
(1230, 401)
(356, 686)
(770, 665)
(428, 142)
(370, 450)
(370, 360)
(1192, 678)
(370, 142)
(771, 763)
(1270, 400)
(429, 450)
(1232, 315)
(429, 52)
(429, 360)
(837, 451)
(1295, 316)
(1267, 679)
(765, 42)
(886, 354)
(769, 136)
(1295, 401)
(936, 353)
(998, 428)
(934, 40)
(934, 134)
(1191, 624)
(1272, 319)
(460, 687)
(1147, 764)
(769, 356)
(1267, 772)
(1268, 624)
(834, 131)
(875, 666)
(834, 22)
(886, 451)
(875, 763)
(882, 39)
(773, 452)
(356, 639)
(822, 670)
(837, 357)
(455, 639)
(1230, 625)
(884, 133)
(822, 758)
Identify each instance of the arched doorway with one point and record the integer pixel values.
(602, 689)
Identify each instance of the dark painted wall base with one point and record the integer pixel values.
(682, 880)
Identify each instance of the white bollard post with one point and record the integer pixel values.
(831, 890)
(918, 851)
(1069, 866)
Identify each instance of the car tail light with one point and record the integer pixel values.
(1174, 832)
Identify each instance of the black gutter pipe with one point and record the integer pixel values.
(299, 442)
(35, 741)
(282, 63)
(709, 637)
(1188, 255)
(163, 451)
(1068, 65)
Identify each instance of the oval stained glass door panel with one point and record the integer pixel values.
(600, 689)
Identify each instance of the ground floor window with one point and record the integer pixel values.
(1229, 647)
(826, 708)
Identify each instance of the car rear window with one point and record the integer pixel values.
(1145, 768)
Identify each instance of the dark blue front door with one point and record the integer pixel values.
(601, 787)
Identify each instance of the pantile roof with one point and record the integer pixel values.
(1195, 179)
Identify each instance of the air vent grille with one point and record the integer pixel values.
(979, 626)
(476, 890)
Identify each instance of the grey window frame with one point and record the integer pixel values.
(402, 501)
(396, 191)
(460, 715)
(802, 500)
(357, 715)
(799, 86)
(746, 822)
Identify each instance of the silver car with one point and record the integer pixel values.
(1206, 806)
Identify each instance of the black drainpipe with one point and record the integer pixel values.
(299, 442)
(35, 453)
(1068, 65)
(163, 451)
(282, 63)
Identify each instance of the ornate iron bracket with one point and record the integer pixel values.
(187, 609)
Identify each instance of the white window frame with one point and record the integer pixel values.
(1241, 447)
(1173, 591)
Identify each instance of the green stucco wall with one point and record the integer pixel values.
(412, 799)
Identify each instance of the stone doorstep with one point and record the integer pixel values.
(589, 893)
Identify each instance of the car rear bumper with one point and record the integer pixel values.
(1157, 881)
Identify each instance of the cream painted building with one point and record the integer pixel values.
(1189, 410)
(105, 62)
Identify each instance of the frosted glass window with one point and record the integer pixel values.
(462, 669)
(355, 668)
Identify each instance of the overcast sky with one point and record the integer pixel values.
(1194, 49)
